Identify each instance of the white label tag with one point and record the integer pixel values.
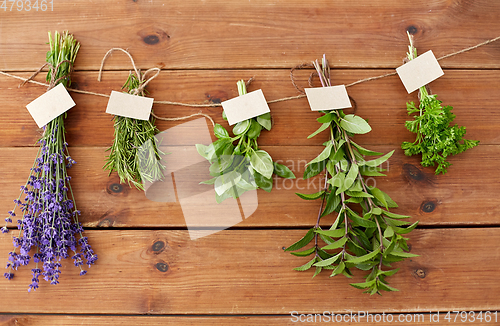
(419, 71)
(245, 107)
(50, 105)
(130, 106)
(328, 98)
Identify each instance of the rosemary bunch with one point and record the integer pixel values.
(436, 138)
(244, 167)
(365, 235)
(49, 220)
(127, 151)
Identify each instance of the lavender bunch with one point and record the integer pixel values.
(49, 224)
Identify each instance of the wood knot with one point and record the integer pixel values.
(420, 273)
(116, 188)
(412, 29)
(412, 172)
(162, 267)
(105, 223)
(158, 246)
(216, 96)
(153, 35)
(151, 39)
(428, 206)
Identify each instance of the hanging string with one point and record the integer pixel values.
(143, 82)
(209, 105)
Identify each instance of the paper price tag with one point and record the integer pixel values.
(130, 106)
(245, 107)
(50, 105)
(328, 98)
(419, 71)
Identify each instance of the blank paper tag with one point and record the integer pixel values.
(328, 98)
(245, 107)
(130, 106)
(50, 105)
(419, 71)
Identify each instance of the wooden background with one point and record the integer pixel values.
(149, 272)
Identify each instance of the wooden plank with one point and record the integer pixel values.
(472, 93)
(453, 199)
(247, 272)
(264, 33)
(56, 320)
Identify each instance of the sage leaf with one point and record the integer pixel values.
(306, 266)
(364, 151)
(331, 233)
(305, 252)
(324, 154)
(328, 261)
(339, 269)
(380, 160)
(355, 124)
(311, 196)
(302, 242)
(337, 244)
(314, 169)
(323, 127)
(362, 259)
(379, 195)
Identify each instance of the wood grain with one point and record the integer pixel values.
(247, 272)
(472, 93)
(257, 34)
(57, 320)
(148, 265)
(462, 197)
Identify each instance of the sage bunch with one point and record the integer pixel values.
(365, 234)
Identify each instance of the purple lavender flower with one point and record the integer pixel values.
(49, 220)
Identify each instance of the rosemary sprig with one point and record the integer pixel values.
(368, 241)
(134, 162)
(436, 138)
(244, 167)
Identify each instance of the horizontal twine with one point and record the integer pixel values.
(210, 105)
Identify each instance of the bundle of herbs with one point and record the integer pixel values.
(365, 234)
(244, 167)
(49, 223)
(127, 155)
(436, 137)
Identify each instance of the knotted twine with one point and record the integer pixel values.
(143, 82)
(195, 105)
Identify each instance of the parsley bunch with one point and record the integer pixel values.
(244, 167)
(436, 137)
(365, 234)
